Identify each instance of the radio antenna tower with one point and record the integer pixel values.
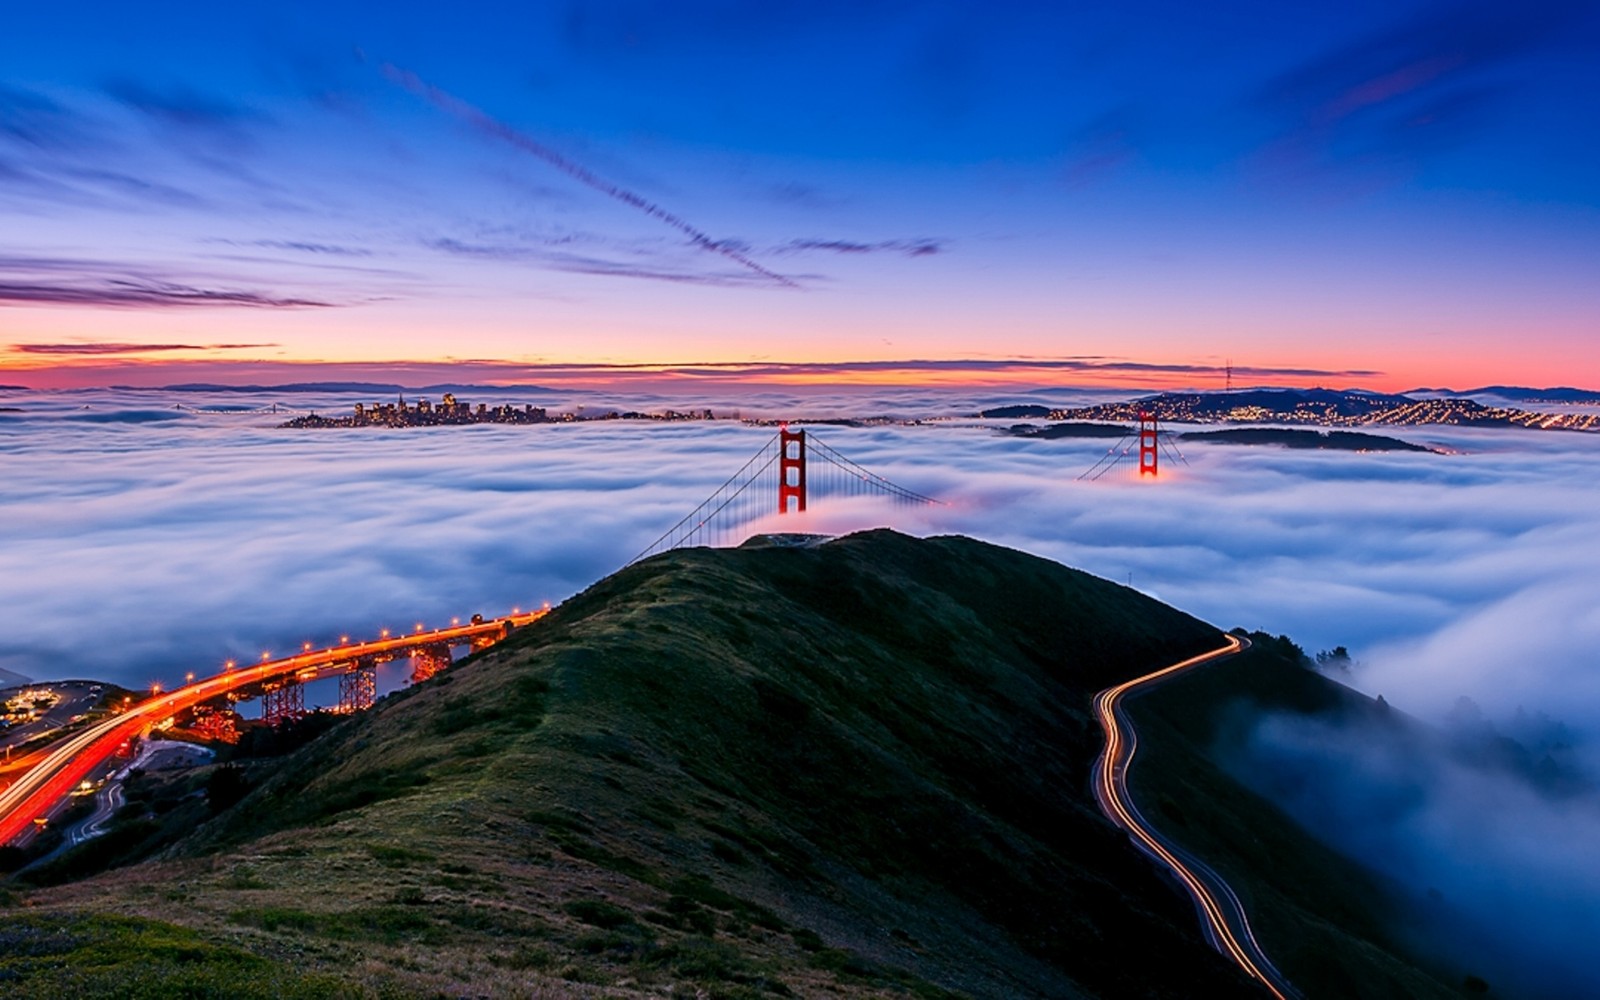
(1228, 368)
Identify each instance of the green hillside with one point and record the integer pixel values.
(858, 768)
(854, 769)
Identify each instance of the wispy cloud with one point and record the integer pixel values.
(1102, 147)
(138, 292)
(87, 282)
(306, 246)
(33, 120)
(180, 105)
(111, 348)
(1404, 90)
(910, 248)
(546, 254)
(497, 129)
(802, 195)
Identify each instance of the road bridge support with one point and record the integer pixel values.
(358, 688)
(283, 702)
(429, 660)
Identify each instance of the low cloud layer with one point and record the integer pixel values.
(1442, 573)
(136, 549)
(1501, 871)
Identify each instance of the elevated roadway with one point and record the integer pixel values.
(36, 793)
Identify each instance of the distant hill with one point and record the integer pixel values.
(1021, 411)
(1294, 438)
(857, 768)
(1325, 408)
(1521, 394)
(1069, 429)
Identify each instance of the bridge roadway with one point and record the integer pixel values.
(1222, 914)
(36, 793)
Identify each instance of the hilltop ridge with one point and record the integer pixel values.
(856, 767)
(859, 768)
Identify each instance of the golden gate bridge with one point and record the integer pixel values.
(787, 473)
(1152, 444)
(781, 477)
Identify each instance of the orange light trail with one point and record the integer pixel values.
(38, 792)
(1111, 790)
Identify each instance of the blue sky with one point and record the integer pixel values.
(193, 188)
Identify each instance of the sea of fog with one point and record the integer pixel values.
(141, 540)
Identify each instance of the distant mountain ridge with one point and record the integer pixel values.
(1327, 408)
(1522, 394)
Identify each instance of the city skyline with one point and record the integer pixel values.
(880, 194)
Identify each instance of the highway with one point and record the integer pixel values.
(1222, 915)
(76, 699)
(36, 793)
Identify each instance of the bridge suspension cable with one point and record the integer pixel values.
(700, 524)
(778, 474)
(1152, 444)
(858, 481)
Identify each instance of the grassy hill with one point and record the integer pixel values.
(853, 769)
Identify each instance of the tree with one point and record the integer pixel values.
(1337, 658)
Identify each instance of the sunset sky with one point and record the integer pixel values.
(718, 191)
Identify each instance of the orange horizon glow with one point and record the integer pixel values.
(135, 368)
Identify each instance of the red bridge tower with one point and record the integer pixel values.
(1147, 443)
(791, 469)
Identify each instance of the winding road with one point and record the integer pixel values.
(1222, 914)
